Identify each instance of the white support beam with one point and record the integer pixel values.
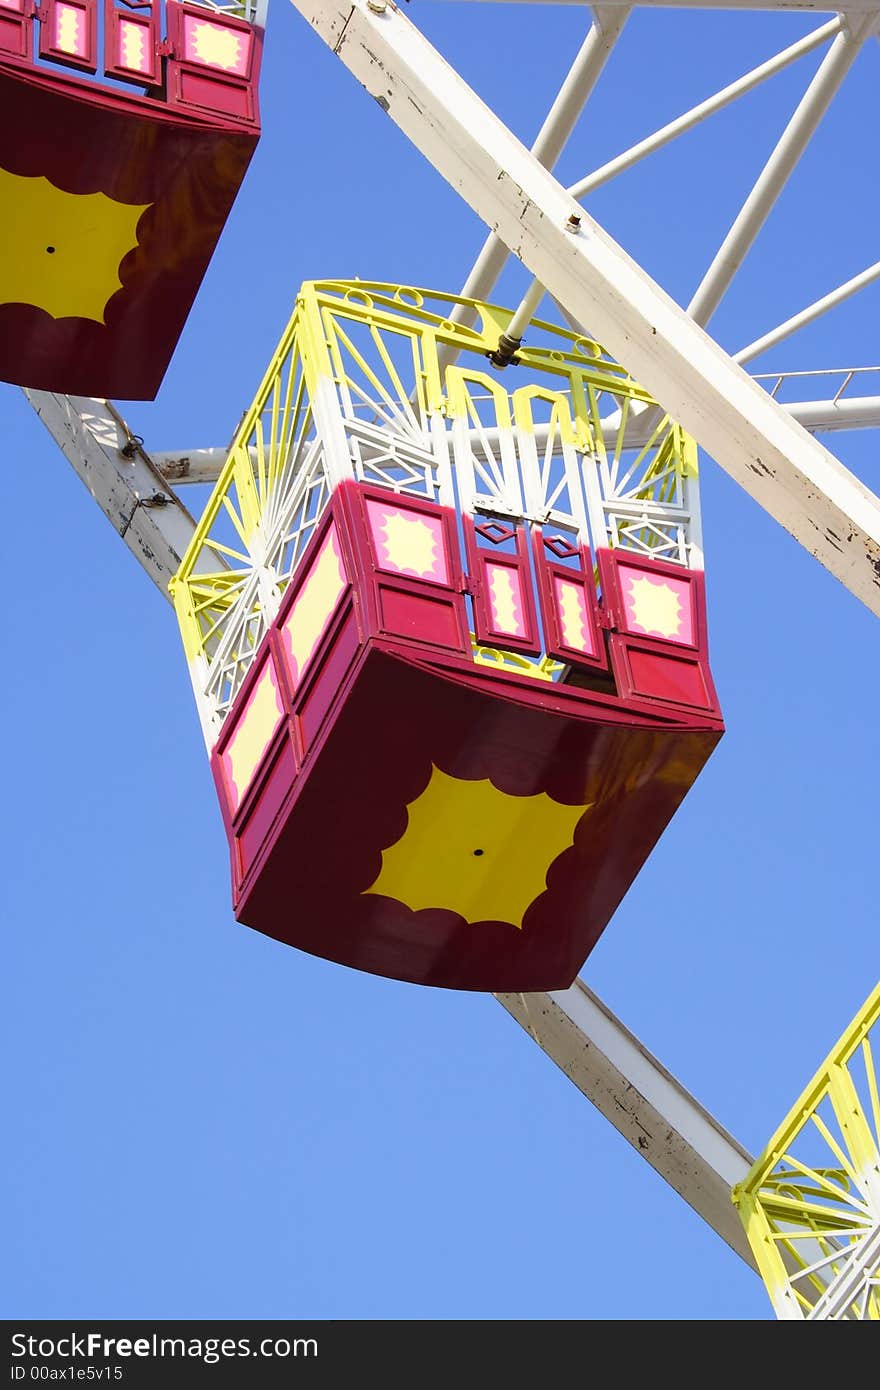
(828, 417)
(787, 472)
(134, 496)
(645, 1104)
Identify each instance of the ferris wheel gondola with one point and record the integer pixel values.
(119, 196)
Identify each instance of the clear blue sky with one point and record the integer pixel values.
(203, 1123)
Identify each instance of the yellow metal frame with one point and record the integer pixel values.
(805, 1221)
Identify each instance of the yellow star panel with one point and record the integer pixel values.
(61, 251)
(475, 850)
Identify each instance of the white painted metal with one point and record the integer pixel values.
(136, 498)
(852, 1286)
(824, 506)
(645, 1104)
(669, 132)
(550, 142)
(789, 148)
(203, 465)
(827, 417)
(808, 315)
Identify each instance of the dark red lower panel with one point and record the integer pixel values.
(446, 836)
(113, 205)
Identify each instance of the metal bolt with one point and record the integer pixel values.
(377, 6)
(573, 223)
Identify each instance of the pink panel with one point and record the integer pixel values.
(130, 44)
(317, 599)
(217, 44)
(214, 94)
(255, 724)
(408, 541)
(422, 617)
(16, 5)
(657, 605)
(661, 677)
(504, 596)
(501, 585)
(68, 33)
(573, 615)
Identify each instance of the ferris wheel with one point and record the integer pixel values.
(446, 584)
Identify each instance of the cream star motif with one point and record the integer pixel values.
(655, 607)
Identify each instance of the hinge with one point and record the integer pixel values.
(469, 585)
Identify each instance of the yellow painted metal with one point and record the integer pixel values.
(543, 669)
(810, 1205)
(438, 860)
(373, 353)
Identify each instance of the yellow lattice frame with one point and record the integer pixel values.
(800, 1218)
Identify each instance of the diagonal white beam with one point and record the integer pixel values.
(642, 1100)
(798, 482)
(131, 492)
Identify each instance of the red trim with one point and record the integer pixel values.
(480, 559)
(546, 571)
(114, 66)
(422, 610)
(47, 13)
(646, 671)
(612, 562)
(16, 38)
(204, 86)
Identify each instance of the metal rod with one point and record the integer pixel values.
(808, 315)
(203, 466)
(591, 182)
(549, 144)
(789, 148)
